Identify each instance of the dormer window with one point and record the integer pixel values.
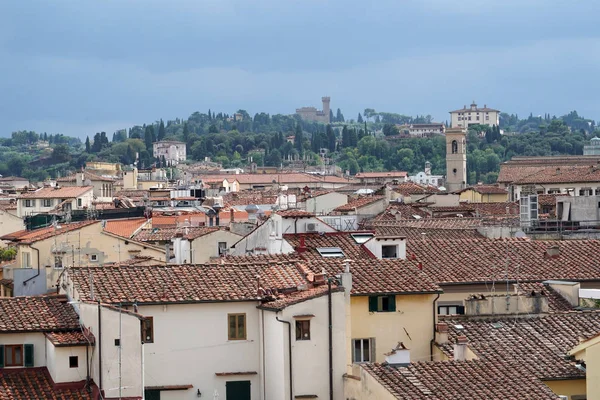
(389, 251)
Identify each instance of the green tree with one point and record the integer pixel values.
(60, 153)
(330, 138)
(87, 145)
(359, 119)
(339, 117)
(161, 130)
(299, 139)
(186, 132)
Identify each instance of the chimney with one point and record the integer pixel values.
(460, 348)
(441, 333)
(552, 252)
(231, 216)
(557, 170)
(347, 277)
(301, 248)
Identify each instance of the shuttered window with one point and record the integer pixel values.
(382, 303)
(16, 355)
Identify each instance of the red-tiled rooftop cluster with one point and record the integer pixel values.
(37, 384)
(37, 314)
(28, 237)
(358, 202)
(537, 343)
(459, 380)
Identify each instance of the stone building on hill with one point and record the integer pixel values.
(312, 114)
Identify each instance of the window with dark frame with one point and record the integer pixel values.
(79, 202)
(236, 326)
(13, 355)
(382, 303)
(303, 329)
(47, 202)
(363, 350)
(148, 330)
(222, 248)
(451, 310)
(73, 361)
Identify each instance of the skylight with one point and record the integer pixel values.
(360, 238)
(330, 252)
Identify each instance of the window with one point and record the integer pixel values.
(469, 118)
(389, 251)
(148, 330)
(454, 147)
(93, 257)
(58, 264)
(451, 310)
(73, 361)
(79, 202)
(329, 252)
(361, 238)
(585, 191)
(29, 203)
(47, 202)
(382, 303)
(303, 330)
(487, 117)
(13, 355)
(237, 326)
(26, 260)
(222, 248)
(478, 118)
(363, 350)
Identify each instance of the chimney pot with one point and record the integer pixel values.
(441, 327)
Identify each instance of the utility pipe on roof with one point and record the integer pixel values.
(433, 338)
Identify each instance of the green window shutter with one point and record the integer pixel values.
(28, 350)
(373, 352)
(1, 356)
(372, 303)
(392, 300)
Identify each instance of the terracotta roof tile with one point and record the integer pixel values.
(166, 234)
(249, 197)
(283, 178)
(66, 192)
(409, 188)
(165, 221)
(32, 236)
(359, 202)
(485, 189)
(488, 260)
(87, 175)
(459, 380)
(343, 240)
(299, 297)
(538, 343)
(73, 338)
(217, 282)
(401, 211)
(124, 227)
(37, 314)
(295, 213)
(416, 233)
(36, 383)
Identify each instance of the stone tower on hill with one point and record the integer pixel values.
(312, 114)
(456, 159)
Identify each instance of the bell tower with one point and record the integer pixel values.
(456, 159)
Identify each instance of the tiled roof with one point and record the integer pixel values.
(299, 297)
(185, 283)
(358, 202)
(459, 380)
(388, 174)
(466, 261)
(529, 169)
(66, 192)
(556, 302)
(36, 383)
(73, 338)
(548, 199)
(412, 234)
(401, 211)
(28, 237)
(249, 197)
(495, 209)
(283, 178)
(295, 213)
(408, 188)
(124, 227)
(432, 223)
(166, 234)
(37, 314)
(537, 343)
(133, 193)
(165, 221)
(86, 175)
(343, 240)
(373, 276)
(563, 174)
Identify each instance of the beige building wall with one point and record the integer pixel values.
(37, 339)
(363, 386)
(325, 203)
(411, 324)
(80, 203)
(474, 197)
(58, 363)
(206, 247)
(570, 388)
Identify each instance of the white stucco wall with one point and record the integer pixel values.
(265, 239)
(310, 358)
(58, 363)
(131, 356)
(276, 357)
(193, 339)
(374, 245)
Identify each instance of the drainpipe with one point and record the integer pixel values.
(433, 338)
(290, 355)
(99, 348)
(87, 366)
(330, 339)
(296, 225)
(38, 264)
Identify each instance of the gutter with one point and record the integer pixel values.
(433, 338)
(38, 265)
(99, 348)
(290, 354)
(329, 306)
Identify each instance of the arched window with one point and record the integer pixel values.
(454, 147)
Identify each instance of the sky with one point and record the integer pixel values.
(79, 67)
